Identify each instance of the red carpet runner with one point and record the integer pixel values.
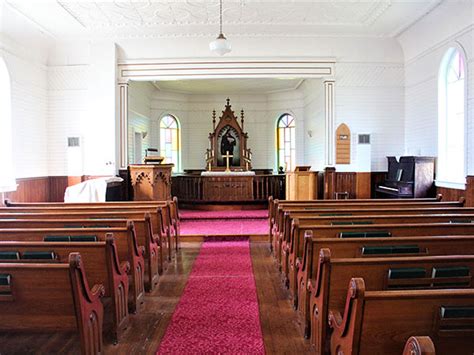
(218, 311)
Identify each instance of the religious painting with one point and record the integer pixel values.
(228, 141)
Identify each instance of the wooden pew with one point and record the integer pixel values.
(61, 297)
(294, 254)
(169, 227)
(170, 211)
(143, 229)
(380, 273)
(127, 248)
(275, 205)
(101, 264)
(285, 214)
(419, 346)
(380, 322)
(369, 248)
(369, 219)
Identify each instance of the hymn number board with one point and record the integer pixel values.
(228, 138)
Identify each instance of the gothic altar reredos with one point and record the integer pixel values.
(228, 141)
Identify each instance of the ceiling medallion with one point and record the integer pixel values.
(220, 45)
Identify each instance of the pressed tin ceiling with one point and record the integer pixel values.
(165, 18)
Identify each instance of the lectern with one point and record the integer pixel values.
(302, 184)
(151, 181)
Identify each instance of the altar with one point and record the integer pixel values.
(228, 175)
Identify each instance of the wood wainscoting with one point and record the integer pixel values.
(350, 185)
(34, 189)
(455, 194)
(44, 188)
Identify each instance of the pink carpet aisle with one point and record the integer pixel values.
(218, 311)
(224, 222)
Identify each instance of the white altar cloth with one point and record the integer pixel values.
(90, 190)
(230, 173)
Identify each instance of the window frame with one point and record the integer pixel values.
(292, 126)
(7, 128)
(177, 167)
(441, 179)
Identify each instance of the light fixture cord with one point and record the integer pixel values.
(220, 18)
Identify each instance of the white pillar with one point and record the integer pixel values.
(329, 113)
(123, 116)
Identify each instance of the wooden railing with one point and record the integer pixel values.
(194, 188)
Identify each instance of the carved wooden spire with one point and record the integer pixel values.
(242, 119)
(214, 119)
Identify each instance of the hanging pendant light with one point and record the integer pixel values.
(220, 45)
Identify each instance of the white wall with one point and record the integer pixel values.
(24, 49)
(424, 45)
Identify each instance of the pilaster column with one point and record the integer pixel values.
(123, 117)
(329, 113)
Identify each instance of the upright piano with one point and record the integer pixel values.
(408, 177)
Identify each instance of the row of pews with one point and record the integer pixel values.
(378, 276)
(82, 266)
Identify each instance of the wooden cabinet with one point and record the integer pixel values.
(302, 184)
(151, 181)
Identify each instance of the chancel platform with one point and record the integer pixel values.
(228, 177)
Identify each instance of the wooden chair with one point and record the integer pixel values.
(61, 297)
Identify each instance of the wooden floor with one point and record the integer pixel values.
(278, 320)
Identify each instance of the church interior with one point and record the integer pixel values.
(237, 177)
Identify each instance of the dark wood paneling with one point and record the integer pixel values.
(35, 189)
(455, 194)
(58, 185)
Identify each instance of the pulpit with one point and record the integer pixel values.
(151, 181)
(302, 184)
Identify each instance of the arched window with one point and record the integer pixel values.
(286, 142)
(451, 120)
(170, 146)
(7, 177)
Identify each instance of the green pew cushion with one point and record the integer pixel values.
(390, 249)
(371, 234)
(406, 273)
(71, 238)
(36, 255)
(455, 271)
(457, 312)
(9, 255)
(5, 279)
(461, 221)
(57, 238)
(84, 238)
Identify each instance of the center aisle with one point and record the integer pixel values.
(218, 311)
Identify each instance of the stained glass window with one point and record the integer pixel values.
(451, 129)
(286, 142)
(169, 141)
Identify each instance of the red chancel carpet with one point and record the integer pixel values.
(218, 311)
(223, 222)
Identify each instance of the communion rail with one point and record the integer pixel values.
(257, 188)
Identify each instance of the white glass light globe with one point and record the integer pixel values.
(220, 46)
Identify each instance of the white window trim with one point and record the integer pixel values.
(458, 185)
